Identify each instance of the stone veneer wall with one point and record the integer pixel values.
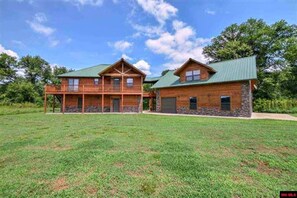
(158, 101)
(70, 109)
(244, 111)
(131, 109)
(73, 109)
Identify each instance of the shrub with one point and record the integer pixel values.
(276, 106)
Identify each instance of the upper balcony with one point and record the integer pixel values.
(93, 89)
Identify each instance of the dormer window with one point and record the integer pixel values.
(193, 75)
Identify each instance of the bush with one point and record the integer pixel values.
(276, 106)
(21, 92)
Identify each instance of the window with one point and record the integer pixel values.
(225, 103)
(193, 103)
(96, 81)
(193, 75)
(73, 84)
(129, 82)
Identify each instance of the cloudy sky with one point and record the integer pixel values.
(152, 34)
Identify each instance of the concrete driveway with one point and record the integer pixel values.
(274, 116)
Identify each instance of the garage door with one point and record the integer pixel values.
(168, 105)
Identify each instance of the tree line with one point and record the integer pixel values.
(275, 47)
(23, 80)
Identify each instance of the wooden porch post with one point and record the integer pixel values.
(54, 103)
(151, 103)
(63, 106)
(83, 103)
(102, 100)
(122, 105)
(45, 103)
(141, 99)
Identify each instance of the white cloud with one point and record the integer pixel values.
(178, 46)
(8, 52)
(18, 43)
(85, 2)
(160, 9)
(68, 40)
(54, 42)
(147, 30)
(38, 26)
(40, 17)
(211, 12)
(121, 45)
(126, 57)
(143, 66)
(29, 1)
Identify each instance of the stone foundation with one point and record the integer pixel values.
(72, 109)
(106, 108)
(131, 109)
(93, 109)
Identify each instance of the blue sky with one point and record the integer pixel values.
(151, 34)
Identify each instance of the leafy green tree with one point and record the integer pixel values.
(21, 91)
(274, 46)
(36, 69)
(58, 70)
(164, 72)
(8, 67)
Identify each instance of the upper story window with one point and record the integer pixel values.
(96, 81)
(225, 103)
(193, 75)
(73, 84)
(129, 82)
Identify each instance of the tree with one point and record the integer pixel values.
(274, 46)
(165, 72)
(21, 91)
(8, 67)
(36, 69)
(58, 70)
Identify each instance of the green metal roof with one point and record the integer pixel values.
(227, 71)
(152, 79)
(87, 72)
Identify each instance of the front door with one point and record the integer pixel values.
(116, 84)
(79, 102)
(116, 104)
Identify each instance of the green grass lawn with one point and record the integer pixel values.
(145, 155)
(12, 110)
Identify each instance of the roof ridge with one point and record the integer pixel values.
(86, 68)
(92, 66)
(232, 60)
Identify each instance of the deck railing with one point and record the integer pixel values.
(108, 88)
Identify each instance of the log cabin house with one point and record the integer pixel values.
(219, 89)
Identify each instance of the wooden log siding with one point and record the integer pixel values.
(207, 95)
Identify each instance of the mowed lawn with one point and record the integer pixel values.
(145, 155)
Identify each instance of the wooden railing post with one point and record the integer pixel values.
(102, 101)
